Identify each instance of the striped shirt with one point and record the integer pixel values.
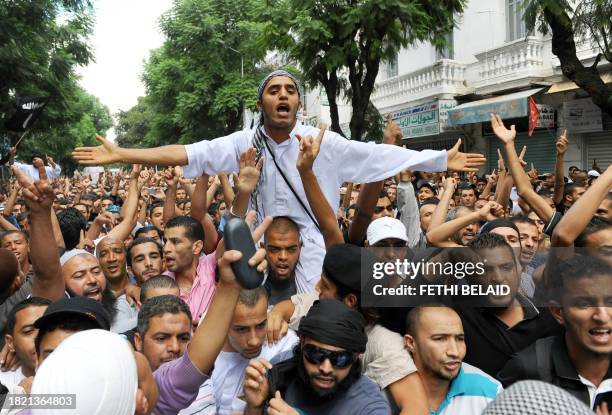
(469, 393)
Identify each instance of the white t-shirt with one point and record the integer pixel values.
(604, 386)
(12, 378)
(228, 374)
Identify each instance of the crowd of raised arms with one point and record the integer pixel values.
(116, 287)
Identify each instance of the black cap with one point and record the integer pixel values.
(344, 263)
(76, 306)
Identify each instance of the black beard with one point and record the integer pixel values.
(314, 394)
(108, 302)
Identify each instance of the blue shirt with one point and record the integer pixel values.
(469, 393)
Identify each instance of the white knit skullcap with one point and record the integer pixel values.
(98, 367)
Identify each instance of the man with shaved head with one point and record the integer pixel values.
(283, 245)
(112, 256)
(436, 340)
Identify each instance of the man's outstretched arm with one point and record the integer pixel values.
(108, 153)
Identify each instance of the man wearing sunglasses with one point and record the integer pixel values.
(324, 374)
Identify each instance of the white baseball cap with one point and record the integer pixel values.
(385, 228)
(593, 173)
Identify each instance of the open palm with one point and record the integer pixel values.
(458, 161)
(250, 169)
(500, 130)
(105, 153)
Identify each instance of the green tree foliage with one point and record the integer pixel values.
(568, 21)
(133, 125)
(194, 85)
(42, 43)
(340, 44)
(62, 129)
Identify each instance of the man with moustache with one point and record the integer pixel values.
(324, 374)
(83, 276)
(436, 340)
(193, 272)
(577, 361)
(145, 258)
(280, 192)
(282, 243)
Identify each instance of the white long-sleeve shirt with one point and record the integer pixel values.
(30, 170)
(339, 160)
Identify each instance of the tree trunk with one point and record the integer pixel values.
(361, 95)
(564, 47)
(330, 84)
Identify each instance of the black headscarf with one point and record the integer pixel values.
(334, 323)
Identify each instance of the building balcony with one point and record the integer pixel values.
(444, 79)
(515, 64)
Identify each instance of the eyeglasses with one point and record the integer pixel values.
(316, 356)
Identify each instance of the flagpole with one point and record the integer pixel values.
(20, 138)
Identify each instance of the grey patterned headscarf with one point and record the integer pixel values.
(532, 397)
(259, 140)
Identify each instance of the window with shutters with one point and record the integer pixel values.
(515, 25)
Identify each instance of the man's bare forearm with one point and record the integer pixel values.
(6, 225)
(172, 155)
(228, 192)
(48, 281)
(443, 232)
(581, 212)
(368, 196)
(212, 332)
(523, 185)
(321, 209)
(57, 231)
(559, 180)
(170, 203)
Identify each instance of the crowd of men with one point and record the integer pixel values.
(117, 287)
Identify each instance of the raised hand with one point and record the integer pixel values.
(500, 130)
(39, 194)
(105, 153)
(250, 169)
(170, 177)
(393, 133)
(491, 211)
(309, 149)
(492, 177)
(458, 161)
(562, 143)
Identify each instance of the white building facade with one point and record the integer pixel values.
(491, 65)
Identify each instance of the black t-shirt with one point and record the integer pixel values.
(279, 290)
(491, 343)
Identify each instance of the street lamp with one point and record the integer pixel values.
(225, 45)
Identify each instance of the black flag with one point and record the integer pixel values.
(29, 109)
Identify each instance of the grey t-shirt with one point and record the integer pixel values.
(363, 397)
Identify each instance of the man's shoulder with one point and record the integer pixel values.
(364, 392)
(474, 382)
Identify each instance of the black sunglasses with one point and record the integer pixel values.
(316, 356)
